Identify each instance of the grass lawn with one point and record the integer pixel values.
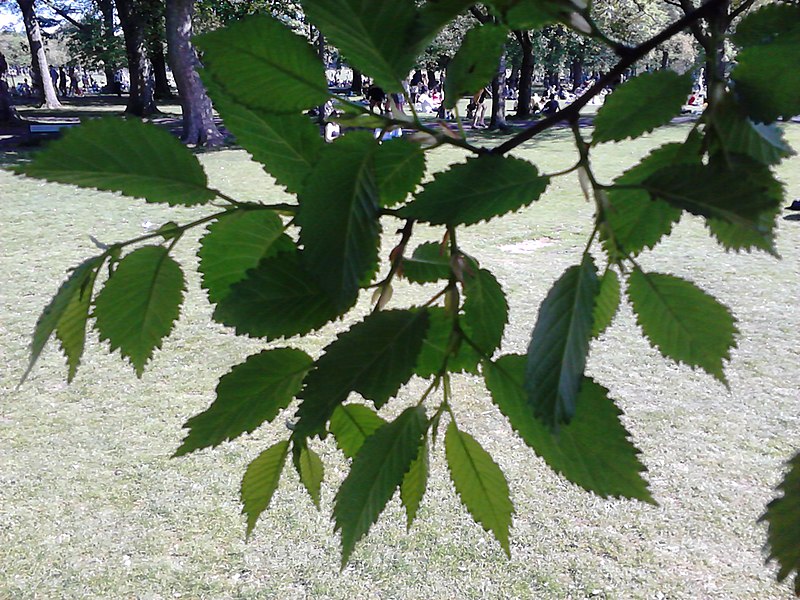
(93, 507)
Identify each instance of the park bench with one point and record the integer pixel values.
(37, 130)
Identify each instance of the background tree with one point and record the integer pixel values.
(41, 83)
(134, 17)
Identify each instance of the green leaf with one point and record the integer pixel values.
(606, 303)
(560, 344)
(735, 237)
(682, 321)
(260, 63)
(373, 37)
(377, 471)
(771, 40)
(637, 220)
(66, 315)
(531, 14)
(288, 146)
(139, 303)
(640, 105)
(277, 298)
(429, 262)
(479, 189)
(783, 519)
(414, 483)
(480, 483)
(440, 341)
(731, 132)
(338, 217)
(485, 310)
(374, 358)
(261, 480)
(235, 243)
(399, 167)
(126, 156)
(251, 393)
(351, 424)
(475, 63)
(706, 190)
(593, 450)
(312, 472)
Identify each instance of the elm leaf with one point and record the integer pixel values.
(261, 480)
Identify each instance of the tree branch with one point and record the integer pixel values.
(572, 112)
(697, 31)
(736, 12)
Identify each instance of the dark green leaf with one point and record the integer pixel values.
(414, 483)
(399, 167)
(429, 262)
(475, 63)
(771, 51)
(731, 132)
(706, 190)
(531, 14)
(637, 221)
(560, 344)
(377, 471)
(682, 321)
(338, 217)
(477, 190)
(261, 480)
(287, 146)
(260, 63)
(139, 303)
(373, 37)
(485, 310)
(351, 424)
(439, 342)
(736, 237)
(480, 483)
(592, 450)
(126, 156)
(235, 243)
(374, 358)
(66, 315)
(783, 518)
(277, 298)
(640, 105)
(252, 392)
(606, 303)
(312, 472)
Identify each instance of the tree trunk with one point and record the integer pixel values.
(431, 79)
(525, 75)
(109, 68)
(8, 113)
(498, 120)
(321, 54)
(664, 58)
(576, 70)
(155, 52)
(40, 74)
(198, 117)
(141, 101)
(357, 85)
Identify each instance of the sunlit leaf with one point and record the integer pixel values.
(261, 480)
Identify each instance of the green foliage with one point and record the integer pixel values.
(475, 63)
(124, 156)
(271, 277)
(560, 344)
(351, 424)
(261, 64)
(430, 262)
(377, 471)
(252, 392)
(339, 232)
(66, 315)
(783, 518)
(682, 321)
(139, 303)
(770, 40)
(261, 480)
(374, 358)
(640, 105)
(465, 195)
(235, 243)
(592, 450)
(415, 482)
(480, 483)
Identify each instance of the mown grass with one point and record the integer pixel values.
(93, 507)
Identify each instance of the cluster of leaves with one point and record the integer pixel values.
(284, 270)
